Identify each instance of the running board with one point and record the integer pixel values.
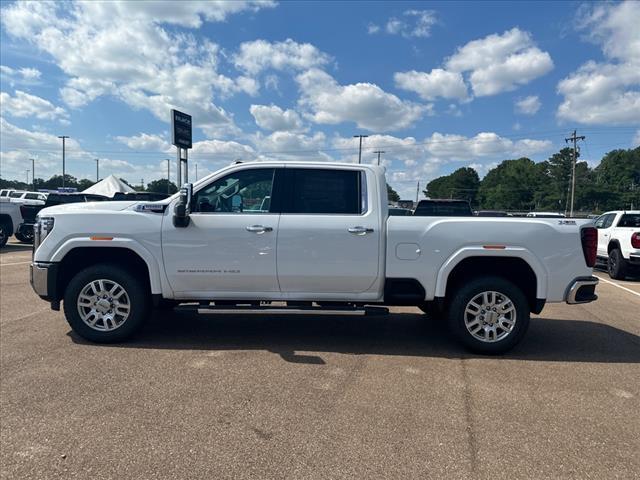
(266, 310)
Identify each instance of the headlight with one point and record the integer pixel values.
(41, 229)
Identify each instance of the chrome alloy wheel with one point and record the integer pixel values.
(490, 316)
(103, 305)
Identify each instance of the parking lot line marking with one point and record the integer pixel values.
(618, 285)
(15, 263)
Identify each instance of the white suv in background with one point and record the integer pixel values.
(619, 241)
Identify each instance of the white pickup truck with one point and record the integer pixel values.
(619, 241)
(10, 220)
(315, 236)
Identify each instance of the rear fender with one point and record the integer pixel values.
(480, 251)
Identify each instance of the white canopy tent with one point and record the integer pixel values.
(109, 187)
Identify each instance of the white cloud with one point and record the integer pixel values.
(291, 146)
(19, 145)
(24, 105)
(412, 23)
(190, 14)
(606, 93)
(528, 105)
(365, 104)
(259, 55)
(636, 139)
(409, 160)
(450, 147)
(121, 49)
(20, 76)
(499, 63)
(396, 149)
(429, 86)
(373, 28)
(145, 141)
(274, 118)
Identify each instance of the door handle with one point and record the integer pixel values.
(258, 229)
(360, 230)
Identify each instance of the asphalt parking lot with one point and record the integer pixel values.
(330, 397)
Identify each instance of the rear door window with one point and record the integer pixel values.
(325, 191)
(630, 220)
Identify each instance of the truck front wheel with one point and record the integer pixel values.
(105, 303)
(489, 315)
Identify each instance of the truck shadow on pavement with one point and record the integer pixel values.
(405, 334)
(15, 247)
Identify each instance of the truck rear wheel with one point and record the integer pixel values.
(616, 265)
(4, 237)
(105, 303)
(489, 315)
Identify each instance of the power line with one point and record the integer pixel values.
(389, 147)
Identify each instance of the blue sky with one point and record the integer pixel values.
(435, 85)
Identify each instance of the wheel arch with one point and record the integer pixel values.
(81, 257)
(613, 244)
(516, 265)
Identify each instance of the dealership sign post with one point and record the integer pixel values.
(181, 137)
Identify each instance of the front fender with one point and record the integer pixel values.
(480, 251)
(117, 242)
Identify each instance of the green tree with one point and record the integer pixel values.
(617, 180)
(512, 185)
(392, 194)
(461, 184)
(84, 184)
(160, 186)
(56, 182)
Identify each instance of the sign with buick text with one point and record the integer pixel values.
(180, 129)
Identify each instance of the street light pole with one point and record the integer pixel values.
(97, 170)
(168, 177)
(33, 173)
(379, 152)
(63, 137)
(196, 172)
(360, 150)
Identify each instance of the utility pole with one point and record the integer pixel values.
(574, 138)
(63, 137)
(142, 183)
(360, 150)
(33, 173)
(379, 152)
(417, 192)
(97, 170)
(168, 177)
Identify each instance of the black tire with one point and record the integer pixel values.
(4, 234)
(616, 265)
(24, 238)
(467, 293)
(136, 291)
